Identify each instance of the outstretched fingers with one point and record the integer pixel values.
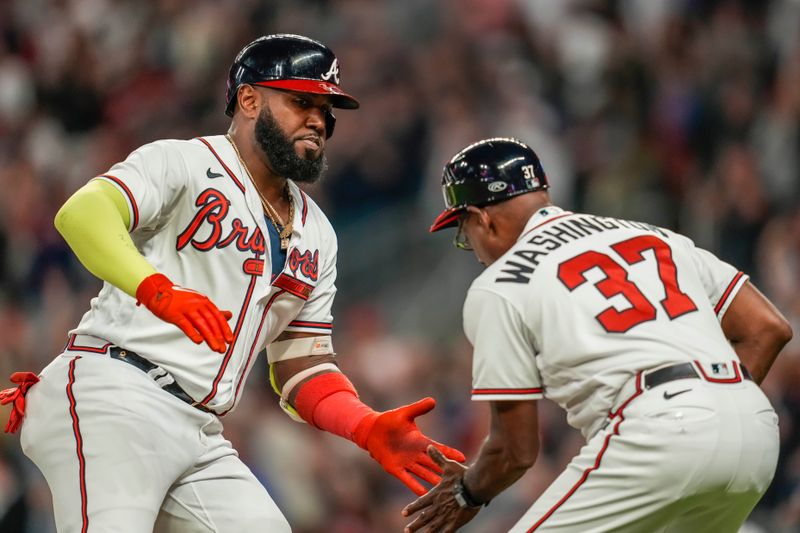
(427, 462)
(418, 505)
(424, 473)
(424, 518)
(448, 452)
(437, 456)
(409, 481)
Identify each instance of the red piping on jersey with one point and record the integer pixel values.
(727, 292)
(549, 220)
(537, 390)
(129, 194)
(305, 324)
(72, 346)
(737, 375)
(221, 162)
(293, 286)
(78, 445)
(236, 332)
(599, 458)
(305, 207)
(252, 349)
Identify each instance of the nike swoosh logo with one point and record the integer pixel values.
(668, 396)
(211, 175)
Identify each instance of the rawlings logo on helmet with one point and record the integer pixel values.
(497, 186)
(332, 72)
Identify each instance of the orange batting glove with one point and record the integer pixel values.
(394, 440)
(192, 312)
(16, 397)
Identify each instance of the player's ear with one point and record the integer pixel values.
(483, 217)
(249, 101)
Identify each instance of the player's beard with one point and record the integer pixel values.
(280, 151)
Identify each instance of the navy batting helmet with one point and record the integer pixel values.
(487, 172)
(293, 62)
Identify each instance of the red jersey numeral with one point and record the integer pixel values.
(676, 302)
(572, 274)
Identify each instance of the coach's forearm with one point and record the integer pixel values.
(757, 353)
(507, 453)
(756, 330)
(94, 222)
(494, 471)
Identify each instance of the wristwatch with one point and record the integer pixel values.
(463, 498)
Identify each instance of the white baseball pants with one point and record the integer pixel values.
(121, 455)
(697, 461)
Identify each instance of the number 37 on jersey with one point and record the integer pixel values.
(572, 273)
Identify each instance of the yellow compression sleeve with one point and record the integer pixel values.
(94, 221)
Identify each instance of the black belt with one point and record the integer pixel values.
(134, 359)
(679, 371)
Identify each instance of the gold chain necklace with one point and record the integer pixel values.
(284, 230)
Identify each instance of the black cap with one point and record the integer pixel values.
(286, 61)
(487, 172)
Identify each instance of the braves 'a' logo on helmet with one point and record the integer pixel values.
(332, 72)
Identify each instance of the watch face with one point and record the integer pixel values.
(460, 500)
(462, 497)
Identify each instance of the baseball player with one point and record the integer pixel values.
(654, 348)
(210, 253)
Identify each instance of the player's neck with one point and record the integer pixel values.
(264, 178)
(509, 220)
(521, 208)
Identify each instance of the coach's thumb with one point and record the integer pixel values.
(437, 456)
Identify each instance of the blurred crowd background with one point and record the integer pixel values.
(684, 114)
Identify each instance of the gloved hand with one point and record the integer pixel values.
(192, 312)
(394, 440)
(16, 396)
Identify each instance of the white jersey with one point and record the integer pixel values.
(581, 303)
(197, 218)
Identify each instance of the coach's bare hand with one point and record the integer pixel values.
(191, 311)
(438, 510)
